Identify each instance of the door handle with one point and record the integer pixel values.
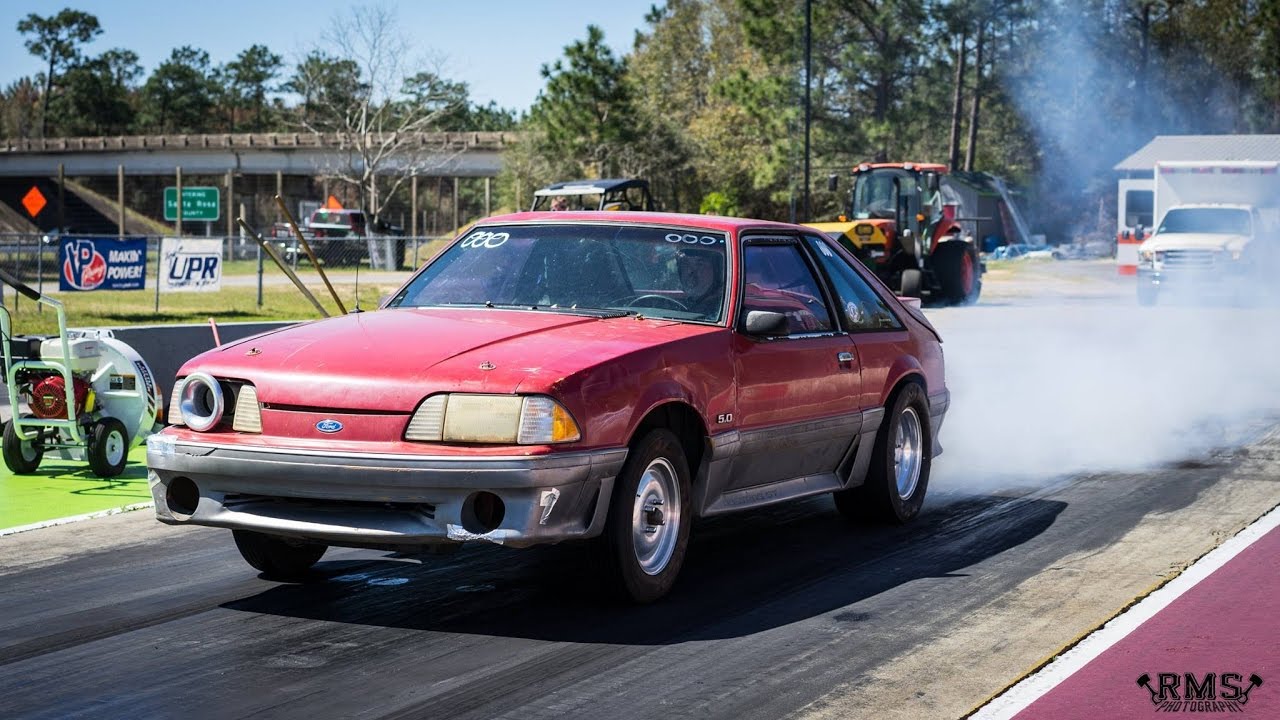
(845, 359)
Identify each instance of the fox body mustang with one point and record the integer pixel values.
(562, 376)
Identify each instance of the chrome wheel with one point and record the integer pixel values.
(907, 452)
(655, 516)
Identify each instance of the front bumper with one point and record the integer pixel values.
(381, 500)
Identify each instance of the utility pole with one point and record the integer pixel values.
(808, 67)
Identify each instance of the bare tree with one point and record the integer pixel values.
(361, 87)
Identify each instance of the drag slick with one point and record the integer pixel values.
(604, 377)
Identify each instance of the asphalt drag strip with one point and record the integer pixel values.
(788, 611)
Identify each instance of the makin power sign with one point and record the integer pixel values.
(102, 263)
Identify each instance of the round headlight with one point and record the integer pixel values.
(202, 403)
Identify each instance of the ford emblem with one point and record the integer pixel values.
(328, 426)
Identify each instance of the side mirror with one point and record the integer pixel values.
(765, 323)
(931, 181)
(833, 182)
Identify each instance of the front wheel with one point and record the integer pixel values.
(108, 447)
(898, 476)
(277, 558)
(22, 457)
(647, 532)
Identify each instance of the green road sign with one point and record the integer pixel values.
(199, 204)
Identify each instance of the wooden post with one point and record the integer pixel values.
(177, 226)
(231, 205)
(413, 206)
(455, 206)
(488, 194)
(435, 218)
(120, 196)
(279, 191)
(62, 199)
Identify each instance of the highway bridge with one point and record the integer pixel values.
(243, 165)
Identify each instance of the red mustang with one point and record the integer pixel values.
(561, 376)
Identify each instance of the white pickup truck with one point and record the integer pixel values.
(1217, 228)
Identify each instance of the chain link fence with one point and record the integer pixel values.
(38, 260)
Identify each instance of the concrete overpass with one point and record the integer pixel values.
(476, 154)
(241, 160)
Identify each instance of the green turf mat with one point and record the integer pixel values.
(64, 488)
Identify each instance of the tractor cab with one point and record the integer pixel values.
(625, 194)
(904, 202)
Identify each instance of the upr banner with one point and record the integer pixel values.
(102, 263)
(190, 265)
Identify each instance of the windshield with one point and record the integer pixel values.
(668, 272)
(1234, 221)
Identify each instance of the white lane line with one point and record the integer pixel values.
(1031, 688)
(74, 518)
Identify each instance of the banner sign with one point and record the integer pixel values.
(102, 263)
(190, 265)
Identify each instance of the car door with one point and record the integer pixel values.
(797, 389)
(878, 335)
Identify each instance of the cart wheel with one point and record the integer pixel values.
(21, 456)
(108, 447)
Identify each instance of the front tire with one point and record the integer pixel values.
(22, 457)
(647, 532)
(108, 447)
(277, 558)
(898, 476)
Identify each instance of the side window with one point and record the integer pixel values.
(776, 279)
(860, 307)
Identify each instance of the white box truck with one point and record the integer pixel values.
(1217, 226)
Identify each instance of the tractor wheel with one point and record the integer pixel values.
(912, 283)
(955, 264)
(108, 447)
(21, 456)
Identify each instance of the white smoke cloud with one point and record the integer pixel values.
(1052, 390)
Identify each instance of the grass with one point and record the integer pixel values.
(231, 304)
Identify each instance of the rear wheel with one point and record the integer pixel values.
(647, 533)
(955, 264)
(898, 477)
(277, 558)
(22, 457)
(912, 283)
(108, 447)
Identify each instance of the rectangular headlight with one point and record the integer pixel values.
(175, 403)
(482, 418)
(501, 419)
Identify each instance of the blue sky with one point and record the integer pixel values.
(496, 46)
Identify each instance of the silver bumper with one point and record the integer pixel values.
(381, 501)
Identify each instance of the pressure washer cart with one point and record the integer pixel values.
(89, 396)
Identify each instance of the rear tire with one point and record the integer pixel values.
(22, 457)
(108, 447)
(644, 541)
(912, 283)
(955, 265)
(898, 477)
(277, 558)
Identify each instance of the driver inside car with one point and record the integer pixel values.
(701, 280)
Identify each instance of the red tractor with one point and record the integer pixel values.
(898, 225)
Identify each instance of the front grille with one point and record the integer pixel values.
(234, 500)
(1190, 259)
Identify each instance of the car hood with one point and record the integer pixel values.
(1195, 241)
(389, 360)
